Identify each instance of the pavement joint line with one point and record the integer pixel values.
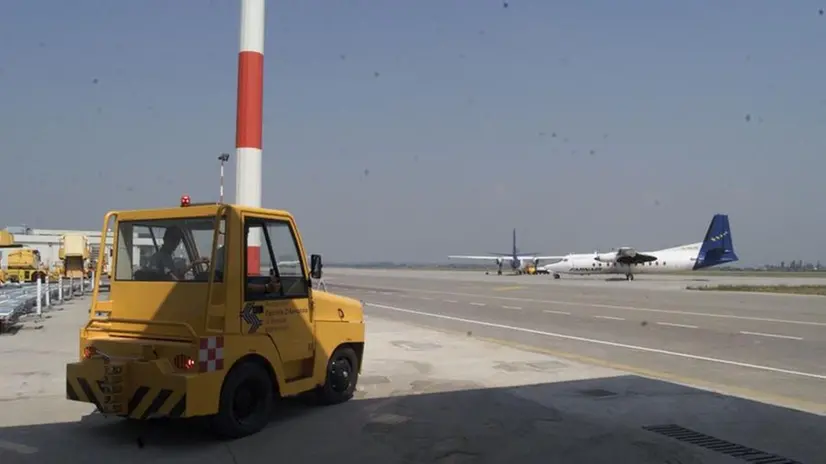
(550, 311)
(613, 318)
(511, 307)
(763, 334)
(627, 308)
(606, 343)
(477, 304)
(757, 395)
(674, 324)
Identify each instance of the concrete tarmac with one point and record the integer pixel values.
(426, 396)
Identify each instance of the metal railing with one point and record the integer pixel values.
(17, 300)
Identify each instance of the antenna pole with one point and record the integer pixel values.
(223, 159)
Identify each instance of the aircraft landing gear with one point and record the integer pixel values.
(499, 271)
(556, 276)
(629, 276)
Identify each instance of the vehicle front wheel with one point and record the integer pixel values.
(342, 377)
(246, 402)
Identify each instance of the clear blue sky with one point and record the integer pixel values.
(113, 105)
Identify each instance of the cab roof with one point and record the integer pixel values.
(193, 210)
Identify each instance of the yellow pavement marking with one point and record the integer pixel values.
(502, 289)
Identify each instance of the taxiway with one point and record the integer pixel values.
(768, 347)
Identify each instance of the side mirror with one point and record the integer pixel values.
(315, 266)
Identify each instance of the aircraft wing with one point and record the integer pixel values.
(489, 257)
(541, 257)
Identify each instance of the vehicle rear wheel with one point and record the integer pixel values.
(246, 402)
(342, 377)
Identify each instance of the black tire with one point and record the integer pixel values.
(245, 415)
(341, 377)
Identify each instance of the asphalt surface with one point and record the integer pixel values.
(769, 347)
(446, 394)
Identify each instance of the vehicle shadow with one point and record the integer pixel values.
(604, 420)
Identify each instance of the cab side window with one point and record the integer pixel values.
(279, 256)
(287, 259)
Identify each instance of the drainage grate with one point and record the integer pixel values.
(721, 446)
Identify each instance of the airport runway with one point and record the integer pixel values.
(767, 347)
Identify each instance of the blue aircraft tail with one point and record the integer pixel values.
(718, 246)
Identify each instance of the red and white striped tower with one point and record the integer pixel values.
(249, 123)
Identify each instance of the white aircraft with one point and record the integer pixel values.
(716, 248)
(516, 259)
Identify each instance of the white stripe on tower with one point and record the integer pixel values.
(249, 121)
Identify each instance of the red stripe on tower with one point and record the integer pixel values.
(249, 119)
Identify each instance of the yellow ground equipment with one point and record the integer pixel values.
(24, 265)
(74, 252)
(97, 253)
(211, 325)
(529, 269)
(7, 241)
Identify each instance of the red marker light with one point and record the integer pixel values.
(184, 362)
(185, 200)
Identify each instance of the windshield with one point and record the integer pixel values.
(165, 249)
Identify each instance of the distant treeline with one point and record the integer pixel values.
(482, 266)
(391, 265)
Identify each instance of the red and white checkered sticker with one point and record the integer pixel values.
(211, 354)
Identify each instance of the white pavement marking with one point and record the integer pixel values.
(610, 317)
(425, 298)
(17, 447)
(477, 304)
(511, 307)
(760, 334)
(672, 324)
(605, 342)
(450, 301)
(550, 311)
(626, 308)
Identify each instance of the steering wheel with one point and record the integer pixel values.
(195, 272)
